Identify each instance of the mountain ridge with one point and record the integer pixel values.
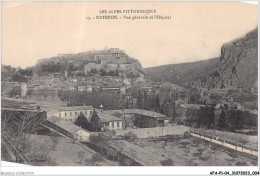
(180, 73)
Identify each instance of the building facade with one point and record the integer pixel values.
(72, 112)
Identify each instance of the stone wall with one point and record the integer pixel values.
(155, 132)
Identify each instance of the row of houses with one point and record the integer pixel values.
(111, 119)
(137, 118)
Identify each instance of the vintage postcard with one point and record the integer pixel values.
(129, 84)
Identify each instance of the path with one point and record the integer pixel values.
(237, 148)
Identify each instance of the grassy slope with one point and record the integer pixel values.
(179, 73)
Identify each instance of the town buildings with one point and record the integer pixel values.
(108, 121)
(132, 118)
(68, 128)
(72, 112)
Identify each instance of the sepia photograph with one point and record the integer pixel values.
(129, 84)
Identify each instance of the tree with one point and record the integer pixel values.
(45, 93)
(112, 152)
(97, 158)
(222, 122)
(30, 93)
(82, 121)
(119, 145)
(126, 162)
(81, 156)
(99, 140)
(53, 94)
(94, 121)
(206, 117)
(140, 101)
(146, 102)
(167, 162)
(55, 141)
(127, 105)
(157, 104)
(130, 136)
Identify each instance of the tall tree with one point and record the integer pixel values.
(157, 104)
(145, 101)
(95, 122)
(140, 101)
(222, 122)
(82, 121)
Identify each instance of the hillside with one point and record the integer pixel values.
(106, 60)
(184, 72)
(238, 64)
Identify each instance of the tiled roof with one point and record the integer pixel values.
(75, 108)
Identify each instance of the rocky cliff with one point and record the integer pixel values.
(111, 59)
(238, 64)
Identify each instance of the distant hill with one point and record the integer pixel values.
(184, 72)
(105, 60)
(238, 64)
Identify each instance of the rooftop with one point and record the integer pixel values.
(136, 111)
(192, 106)
(75, 108)
(66, 125)
(106, 117)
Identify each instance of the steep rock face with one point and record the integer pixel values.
(238, 64)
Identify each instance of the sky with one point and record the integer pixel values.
(196, 30)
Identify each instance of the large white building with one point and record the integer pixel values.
(42, 79)
(108, 121)
(72, 112)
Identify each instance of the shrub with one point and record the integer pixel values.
(187, 151)
(200, 150)
(126, 162)
(167, 162)
(130, 136)
(204, 157)
(96, 158)
(241, 163)
(187, 135)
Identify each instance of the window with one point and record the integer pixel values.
(112, 124)
(75, 113)
(86, 112)
(117, 124)
(70, 113)
(59, 115)
(90, 112)
(65, 114)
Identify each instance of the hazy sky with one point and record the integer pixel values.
(196, 31)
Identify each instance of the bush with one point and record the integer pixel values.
(167, 162)
(204, 157)
(187, 135)
(96, 158)
(126, 162)
(241, 163)
(130, 136)
(187, 151)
